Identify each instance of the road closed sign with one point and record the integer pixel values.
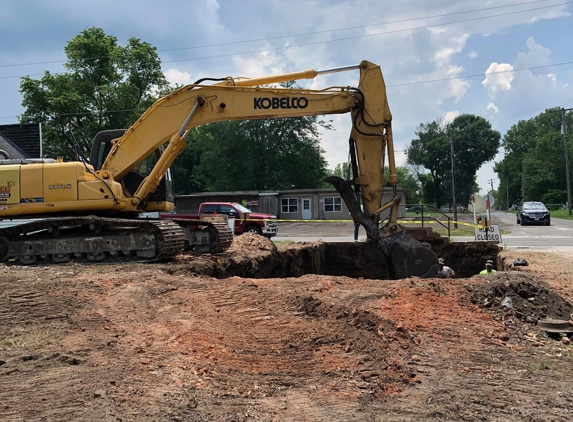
(488, 234)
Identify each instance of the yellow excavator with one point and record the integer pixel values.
(82, 210)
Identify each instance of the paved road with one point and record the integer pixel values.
(556, 237)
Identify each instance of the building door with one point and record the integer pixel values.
(306, 210)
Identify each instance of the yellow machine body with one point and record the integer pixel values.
(48, 188)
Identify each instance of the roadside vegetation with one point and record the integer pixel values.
(561, 214)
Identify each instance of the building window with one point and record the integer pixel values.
(289, 205)
(332, 204)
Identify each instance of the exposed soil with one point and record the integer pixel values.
(527, 298)
(158, 342)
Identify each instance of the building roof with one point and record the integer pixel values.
(268, 193)
(12, 150)
(25, 136)
(232, 193)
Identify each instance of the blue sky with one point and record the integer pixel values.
(37, 31)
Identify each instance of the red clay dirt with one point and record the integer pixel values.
(153, 342)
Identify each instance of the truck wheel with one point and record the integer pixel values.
(254, 229)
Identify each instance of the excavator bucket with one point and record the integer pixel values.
(405, 256)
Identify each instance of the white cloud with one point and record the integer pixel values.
(532, 91)
(175, 76)
(495, 82)
(259, 64)
(536, 56)
(492, 107)
(473, 55)
(444, 55)
(450, 116)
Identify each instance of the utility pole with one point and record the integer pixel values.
(567, 177)
(454, 182)
(507, 193)
(491, 182)
(489, 212)
(523, 180)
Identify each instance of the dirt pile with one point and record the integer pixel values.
(252, 246)
(530, 299)
(251, 255)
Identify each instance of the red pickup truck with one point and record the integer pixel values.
(264, 224)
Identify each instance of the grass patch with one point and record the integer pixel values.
(434, 214)
(542, 366)
(561, 214)
(460, 231)
(282, 242)
(22, 338)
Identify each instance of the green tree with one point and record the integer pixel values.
(555, 196)
(343, 171)
(106, 86)
(408, 182)
(267, 154)
(430, 150)
(475, 143)
(186, 175)
(534, 157)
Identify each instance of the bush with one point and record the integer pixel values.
(554, 196)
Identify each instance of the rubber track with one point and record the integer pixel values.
(169, 235)
(225, 233)
(225, 237)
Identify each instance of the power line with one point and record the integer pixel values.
(478, 74)
(335, 40)
(387, 86)
(368, 35)
(306, 33)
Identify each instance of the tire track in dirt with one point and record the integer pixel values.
(38, 379)
(240, 340)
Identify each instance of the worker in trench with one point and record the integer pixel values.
(443, 270)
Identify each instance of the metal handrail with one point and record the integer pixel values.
(428, 217)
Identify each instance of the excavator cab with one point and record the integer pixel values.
(101, 147)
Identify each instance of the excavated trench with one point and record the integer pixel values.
(253, 256)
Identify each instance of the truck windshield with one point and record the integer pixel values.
(241, 208)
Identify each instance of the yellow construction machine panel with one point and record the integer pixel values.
(88, 191)
(32, 183)
(165, 206)
(10, 184)
(29, 210)
(61, 181)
